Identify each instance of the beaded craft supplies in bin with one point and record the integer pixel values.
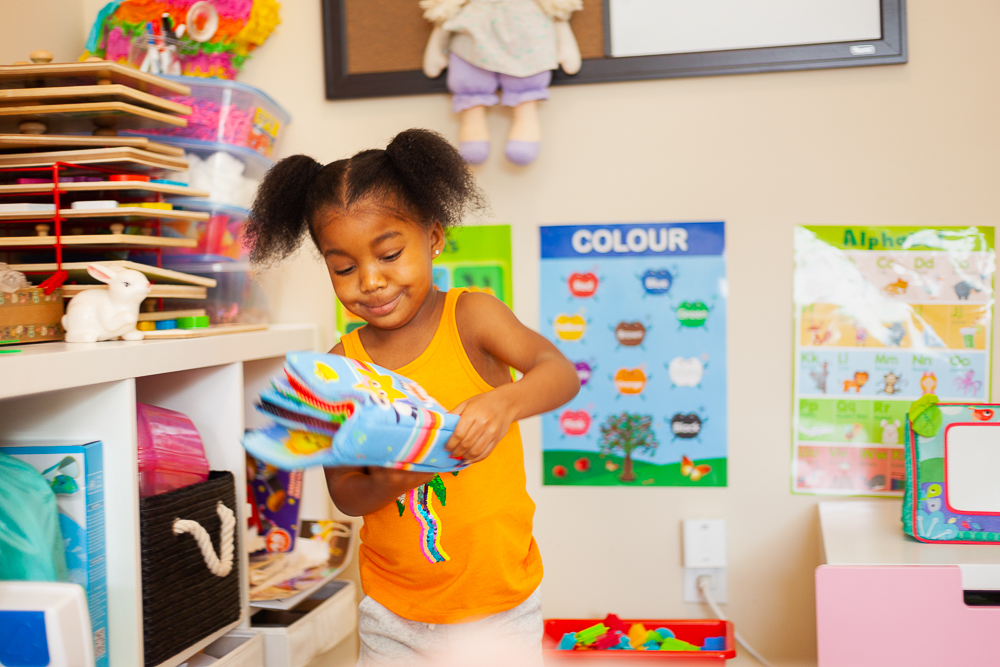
(229, 113)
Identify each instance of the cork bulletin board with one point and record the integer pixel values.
(374, 48)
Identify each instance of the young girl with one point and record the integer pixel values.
(378, 219)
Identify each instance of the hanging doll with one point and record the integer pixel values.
(509, 44)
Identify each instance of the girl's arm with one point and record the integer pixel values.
(496, 338)
(360, 491)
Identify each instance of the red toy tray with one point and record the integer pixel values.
(693, 631)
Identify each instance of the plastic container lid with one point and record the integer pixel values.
(203, 264)
(256, 163)
(209, 206)
(168, 440)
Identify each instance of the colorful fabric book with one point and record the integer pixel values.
(329, 410)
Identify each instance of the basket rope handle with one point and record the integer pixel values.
(222, 564)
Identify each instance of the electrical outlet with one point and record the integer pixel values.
(705, 554)
(720, 584)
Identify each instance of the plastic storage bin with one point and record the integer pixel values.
(229, 173)
(314, 626)
(235, 298)
(230, 113)
(693, 631)
(219, 235)
(171, 454)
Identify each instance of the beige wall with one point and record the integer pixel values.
(53, 25)
(910, 144)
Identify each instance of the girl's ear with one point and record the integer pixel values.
(436, 235)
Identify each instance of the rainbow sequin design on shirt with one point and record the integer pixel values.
(422, 508)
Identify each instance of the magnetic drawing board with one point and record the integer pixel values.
(655, 27)
(972, 467)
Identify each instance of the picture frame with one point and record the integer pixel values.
(341, 84)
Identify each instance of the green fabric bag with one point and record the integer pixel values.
(31, 544)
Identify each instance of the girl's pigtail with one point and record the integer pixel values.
(435, 179)
(277, 220)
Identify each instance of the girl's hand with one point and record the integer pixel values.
(485, 419)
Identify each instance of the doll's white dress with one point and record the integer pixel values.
(513, 37)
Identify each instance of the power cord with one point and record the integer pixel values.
(705, 586)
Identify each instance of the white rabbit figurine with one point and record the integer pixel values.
(97, 314)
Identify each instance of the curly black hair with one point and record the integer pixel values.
(419, 174)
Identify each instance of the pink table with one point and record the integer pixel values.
(883, 599)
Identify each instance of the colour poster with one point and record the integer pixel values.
(883, 315)
(475, 257)
(640, 309)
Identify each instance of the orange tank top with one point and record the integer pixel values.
(490, 560)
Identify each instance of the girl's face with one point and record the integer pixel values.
(379, 262)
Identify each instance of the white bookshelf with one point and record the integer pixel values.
(60, 392)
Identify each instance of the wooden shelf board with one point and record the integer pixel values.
(130, 114)
(89, 72)
(78, 272)
(156, 291)
(123, 240)
(214, 330)
(114, 92)
(44, 367)
(102, 186)
(92, 156)
(127, 212)
(21, 141)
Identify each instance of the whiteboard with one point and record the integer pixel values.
(659, 27)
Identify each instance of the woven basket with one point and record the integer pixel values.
(182, 600)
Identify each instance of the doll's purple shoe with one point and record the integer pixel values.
(474, 152)
(522, 152)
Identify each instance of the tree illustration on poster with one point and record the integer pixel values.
(626, 433)
(640, 310)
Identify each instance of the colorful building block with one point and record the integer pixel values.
(568, 642)
(637, 634)
(714, 644)
(672, 644)
(587, 636)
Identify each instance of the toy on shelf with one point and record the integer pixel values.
(206, 39)
(509, 44)
(951, 493)
(45, 623)
(108, 314)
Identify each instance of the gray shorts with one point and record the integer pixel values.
(512, 637)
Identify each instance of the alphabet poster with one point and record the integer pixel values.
(477, 257)
(883, 315)
(640, 309)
